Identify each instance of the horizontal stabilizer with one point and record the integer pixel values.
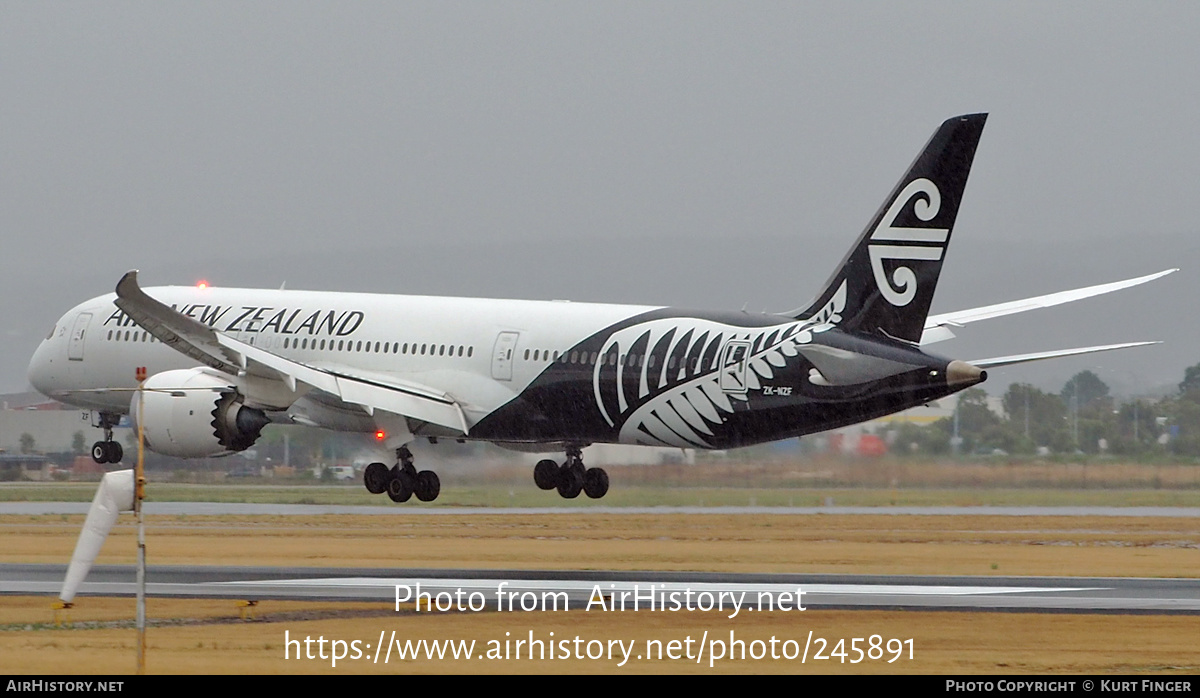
(1025, 358)
(937, 326)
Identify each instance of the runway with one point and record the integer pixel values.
(759, 592)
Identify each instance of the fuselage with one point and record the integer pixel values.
(523, 371)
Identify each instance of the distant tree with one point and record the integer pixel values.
(974, 419)
(27, 443)
(1044, 414)
(78, 443)
(933, 439)
(1136, 429)
(1091, 392)
(973, 413)
(1191, 381)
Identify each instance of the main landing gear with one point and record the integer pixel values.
(572, 477)
(108, 451)
(402, 480)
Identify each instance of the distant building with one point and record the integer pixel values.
(52, 425)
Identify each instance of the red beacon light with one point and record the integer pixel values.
(202, 284)
(380, 436)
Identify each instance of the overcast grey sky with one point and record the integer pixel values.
(694, 154)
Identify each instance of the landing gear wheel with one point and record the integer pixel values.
(570, 480)
(545, 474)
(107, 452)
(400, 487)
(402, 481)
(376, 477)
(428, 486)
(595, 483)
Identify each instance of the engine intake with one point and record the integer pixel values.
(193, 413)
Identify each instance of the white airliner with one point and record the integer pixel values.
(218, 364)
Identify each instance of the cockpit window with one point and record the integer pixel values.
(51, 335)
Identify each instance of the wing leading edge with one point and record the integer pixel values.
(279, 381)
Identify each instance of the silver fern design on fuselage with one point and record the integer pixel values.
(664, 383)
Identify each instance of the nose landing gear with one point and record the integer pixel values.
(107, 451)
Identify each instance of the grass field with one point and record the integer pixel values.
(781, 483)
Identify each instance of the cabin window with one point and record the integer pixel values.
(109, 334)
(470, 351)
(423, 346)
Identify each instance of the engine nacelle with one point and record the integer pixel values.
(192, 413)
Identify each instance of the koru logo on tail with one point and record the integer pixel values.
(925, 244)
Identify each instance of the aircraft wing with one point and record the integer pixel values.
(1024, 358)
(228, 355)
(937, 327)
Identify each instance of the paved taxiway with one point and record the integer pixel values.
(850, 592)
(251, 509)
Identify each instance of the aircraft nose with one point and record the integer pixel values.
(42, 367)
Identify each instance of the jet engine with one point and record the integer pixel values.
(193, 413)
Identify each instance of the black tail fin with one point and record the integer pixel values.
(886, 282)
